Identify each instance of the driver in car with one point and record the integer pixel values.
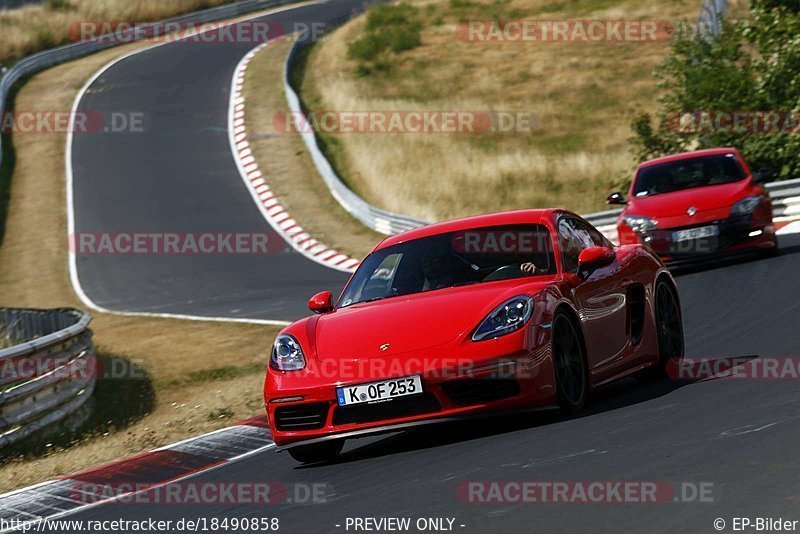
(438, 269)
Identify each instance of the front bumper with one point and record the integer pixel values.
(736, 235)
(502, 375)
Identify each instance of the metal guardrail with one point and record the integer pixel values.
(382, 221)
(49, 58)
(48, 373)
(712, 12)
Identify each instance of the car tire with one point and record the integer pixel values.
(569, 362)
(315, 453)
(669, 328)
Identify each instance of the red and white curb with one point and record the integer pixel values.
(791, 226)
(143, 472)
(270, 206)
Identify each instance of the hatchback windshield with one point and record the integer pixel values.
(452, 259)
(687, 174)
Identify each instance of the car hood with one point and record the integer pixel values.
(702, 198)
(411, 323)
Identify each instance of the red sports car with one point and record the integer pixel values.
(516, 310)
(693, 205)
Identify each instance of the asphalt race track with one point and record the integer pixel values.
(739, 435)
(178, 176)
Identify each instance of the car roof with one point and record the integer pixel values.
(531, 216)
(689, 155)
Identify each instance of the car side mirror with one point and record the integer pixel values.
(592, 258)
(321, 302)
(763, 175)
(616, 199)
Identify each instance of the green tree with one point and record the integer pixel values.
(751, 66)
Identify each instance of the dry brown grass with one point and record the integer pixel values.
(35, 27)
(584, 96)
(738, 9)
(181, 412)
(286, 163)
(206, 375)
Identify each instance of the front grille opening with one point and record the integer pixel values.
(471, 391)
(301, 416)
(398, 407)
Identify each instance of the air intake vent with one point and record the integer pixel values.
(301, 416)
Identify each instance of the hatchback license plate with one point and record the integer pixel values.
(379, 391)
(695, 233)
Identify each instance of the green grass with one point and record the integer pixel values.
(213, 375)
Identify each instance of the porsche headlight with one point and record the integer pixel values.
(509, 317)
(287, 355)
(747, 205)
(639, 223)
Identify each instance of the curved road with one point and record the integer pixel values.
(179, 176)
(739, 435)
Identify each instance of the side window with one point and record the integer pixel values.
(571, 245)
(575, 236)
(588, 234)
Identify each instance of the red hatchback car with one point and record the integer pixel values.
(509, 311)
(694, 205)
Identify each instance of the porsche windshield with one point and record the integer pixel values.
(453, 259)
(687, 174)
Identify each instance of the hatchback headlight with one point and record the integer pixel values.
(747, 205)
(638, 223)
(287, 355)
(509, 317)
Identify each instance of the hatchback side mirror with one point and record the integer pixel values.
(616, 199)
(763, 175)
(321, 302)
(593, 258)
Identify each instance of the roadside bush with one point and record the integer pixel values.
(390, 29)
(752, 66)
